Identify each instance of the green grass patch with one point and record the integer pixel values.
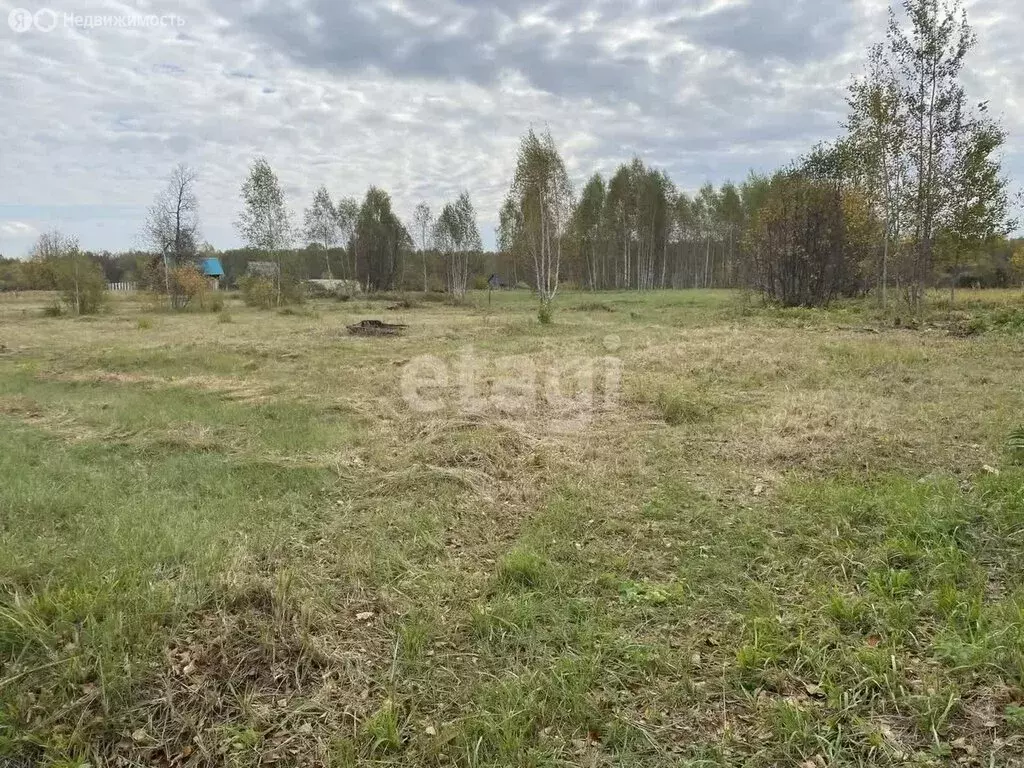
(238, 545)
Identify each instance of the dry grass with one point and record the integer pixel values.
(784, 541)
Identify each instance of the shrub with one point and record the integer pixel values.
(805, 241)
(81, 283)
(545, 314)
(257, 291)
(179, 287)
(188, 284)
(293, 291)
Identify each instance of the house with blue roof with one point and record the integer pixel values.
(213, 271)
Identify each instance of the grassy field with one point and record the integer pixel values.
(782, 537)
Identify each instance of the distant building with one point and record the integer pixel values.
(261, 269)
(213, 271)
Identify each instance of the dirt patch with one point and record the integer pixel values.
(376, 328)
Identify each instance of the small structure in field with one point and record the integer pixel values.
(262, 269)
(376, 328)
(213, 271)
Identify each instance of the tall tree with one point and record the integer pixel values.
(346, 212)
(321, 224)
(707, 207)
(456, 234)
(979, 204)
(588, 226)
(264, 223)
(423, 224)
(685, 215)
(510, 235)
(541, 197)
(53, 245)
(926, 65)
(620, 212)
(731, 212)
(172, 225)
(381, 241)
(878, 126)
(59, 264)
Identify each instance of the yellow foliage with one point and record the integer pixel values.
(190, 284)
(1017, 262)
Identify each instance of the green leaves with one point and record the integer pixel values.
(538, 209)
(456, 235)
(264, 223)
(381, 240)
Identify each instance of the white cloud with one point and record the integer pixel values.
(17, 229)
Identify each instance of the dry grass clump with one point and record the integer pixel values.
(678, 408)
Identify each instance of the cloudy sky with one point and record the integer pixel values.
(422, 97)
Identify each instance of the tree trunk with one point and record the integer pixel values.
(885, 271)
(707, 260)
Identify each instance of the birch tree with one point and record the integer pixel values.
(979, 203)
(380, 241)
(264, 223)
(932, 156)
(588, 228)
(346, 212)
(878, 131)
(541, 194)
(321, 225)
(423, 225)
(510, 235)
(457, 235)
(926, 64)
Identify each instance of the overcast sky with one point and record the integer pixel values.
(422, 97)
